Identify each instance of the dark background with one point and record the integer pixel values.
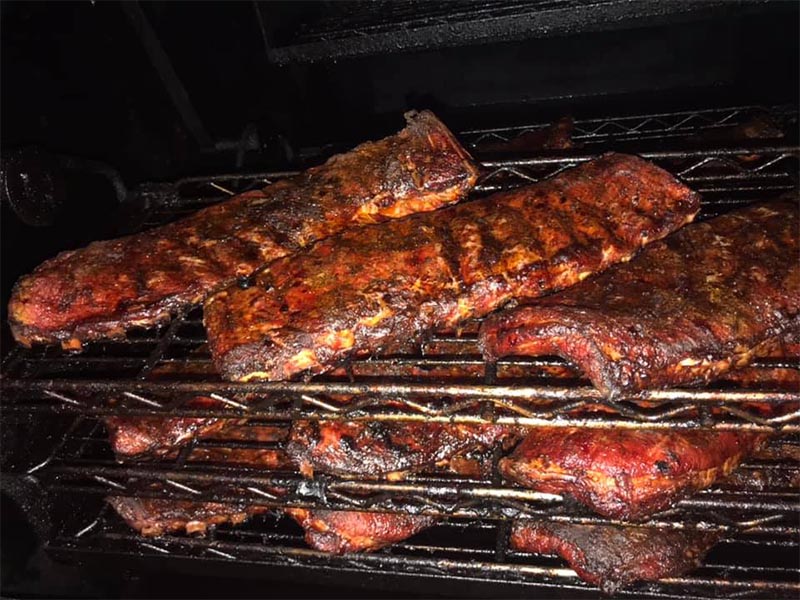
(77, 80)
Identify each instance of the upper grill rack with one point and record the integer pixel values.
(157, 371)
(709, 169)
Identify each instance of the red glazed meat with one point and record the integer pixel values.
(626, 473)
(354, 293)
(108, 287)
(611, 556)
(687, 309)
(338, 532)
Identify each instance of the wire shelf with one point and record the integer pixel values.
(476, 550)
(159, 372)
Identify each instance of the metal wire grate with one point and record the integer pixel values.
(472, 553)
(655, 128)
(157, 372)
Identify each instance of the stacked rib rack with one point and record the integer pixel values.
(61, 400)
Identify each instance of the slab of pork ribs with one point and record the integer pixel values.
(397, 449)
(341, 531)
(612, 556)
(378, 449)
(687, 309)
(353, 293)
(110, 286)
(330, 531)
(627, 473)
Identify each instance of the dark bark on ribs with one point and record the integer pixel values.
(326, 530)
(625, 473)
(339, 532)
(707, 299)
(157, 516)
(611, 556)
(336, 532)
(377, 449)
(780, 477)
(354, 293)
(108, 287)
(132, 436)
(156, 436)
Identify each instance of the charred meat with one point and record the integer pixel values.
(376, 449)
(339, 532)
(353, 293)
(626, 473)
(108, 287)
(687, 309)
(612, 556)
(157, 516)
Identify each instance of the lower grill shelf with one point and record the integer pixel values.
(468, 547)
(473, 551)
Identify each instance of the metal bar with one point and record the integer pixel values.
(161, 347)
(394, 389)
(166, 72)
(651, 154)
(552, 418)
(727, 112)
(554, 158)
(446, 497)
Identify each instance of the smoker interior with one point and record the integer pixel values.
(58, 467)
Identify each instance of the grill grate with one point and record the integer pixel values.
(658, 128)
(476, 551)
(155, 372)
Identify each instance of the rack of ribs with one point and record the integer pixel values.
(156, 436)
(341, 531)
(464, 451)
(378, 449)
(154, 517)
(326, 530)
(351, 294)
(626, 473)
(687, 309)
(612, 556)
(108, 287)
(630, 473)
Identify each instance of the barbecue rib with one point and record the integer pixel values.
(610, 556)
(153, 517)
(108, 287)
(377, 449)
(157, 516)
(688, 308)
(339, 532)
(352, 293)
(132, 436)
(626, 473)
